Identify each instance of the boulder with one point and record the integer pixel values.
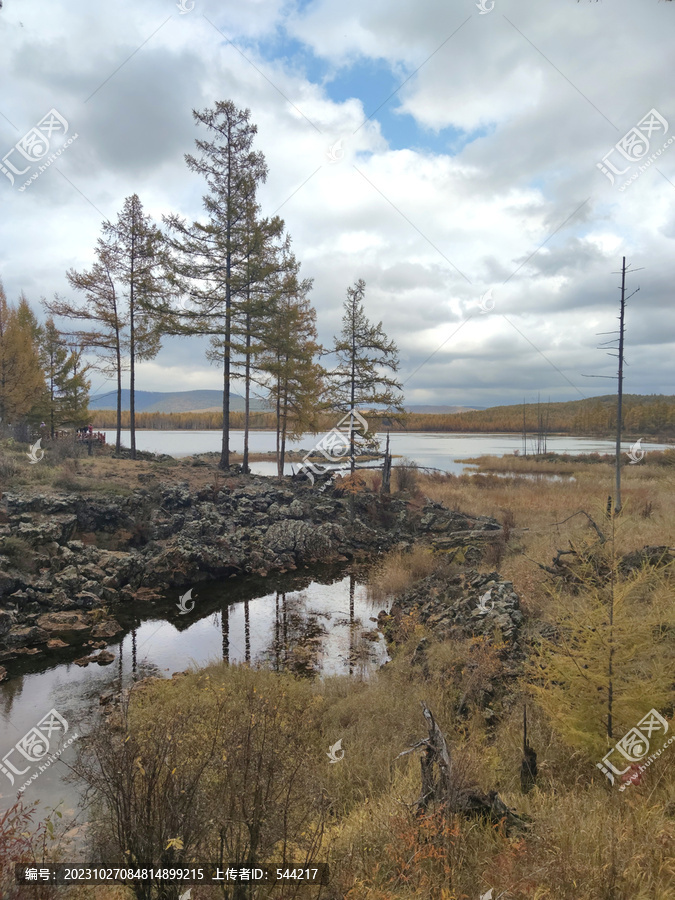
(7, 619)
(8, 583)
(106, 629)
(56, 644)
(23, 635)
(68, 625)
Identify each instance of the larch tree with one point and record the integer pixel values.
(103, 311)
(22, 385)
(360, 379)
(294, 379)
(209, 258)
(136, 253)
(612, 633)
(265, 258)
(67, 387)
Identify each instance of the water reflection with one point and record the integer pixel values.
(309, 624)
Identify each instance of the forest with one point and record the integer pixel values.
(642, 415)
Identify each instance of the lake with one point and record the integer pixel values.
(440, 451)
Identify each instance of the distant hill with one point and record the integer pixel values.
(173, 401)
(441, 410)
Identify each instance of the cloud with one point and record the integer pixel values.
(479, 172)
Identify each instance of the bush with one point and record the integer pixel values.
(399, 571)
(220, 765)
(19, 552)
(63, 449)
(406, 475)
(8, 468)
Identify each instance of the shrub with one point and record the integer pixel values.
(406, 475)
(400, 570)
(8, 468)
(19, 552)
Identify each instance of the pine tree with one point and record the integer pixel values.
(67, 388)
(363, 351)
(138, 266)
(209, 259)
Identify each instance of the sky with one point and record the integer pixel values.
(484, 167)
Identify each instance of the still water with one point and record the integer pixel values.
(319, 622)
(440, 451)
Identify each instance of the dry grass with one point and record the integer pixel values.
(537, 510)
(399, 570)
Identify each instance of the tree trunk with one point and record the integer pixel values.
(438, 787)
(282, 451)
(247, 391)
(386, 470)
(118, 436)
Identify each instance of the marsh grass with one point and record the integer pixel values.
(399, 570)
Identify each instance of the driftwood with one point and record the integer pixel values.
(439, 788)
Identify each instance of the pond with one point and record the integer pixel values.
(318, 622)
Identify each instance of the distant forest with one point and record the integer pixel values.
(652, 415)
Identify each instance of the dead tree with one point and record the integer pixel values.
(528, 765)
(440, 789)
(386, 470)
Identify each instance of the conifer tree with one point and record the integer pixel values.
(363, 354)
(67, 388)
(294, 378)
(604, 668)
(138, 267)
(103, 309)
(209, 259)
(22, 383)
(266, 256)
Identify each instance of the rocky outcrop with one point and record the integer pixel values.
(92, 553)
(467, 604)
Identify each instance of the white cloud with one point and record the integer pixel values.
(521, 209)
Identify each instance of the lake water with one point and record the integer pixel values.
(318, 622)
(440, 451)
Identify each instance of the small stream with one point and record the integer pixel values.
(314, 623)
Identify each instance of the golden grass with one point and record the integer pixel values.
(539, 508)
(399, 570)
